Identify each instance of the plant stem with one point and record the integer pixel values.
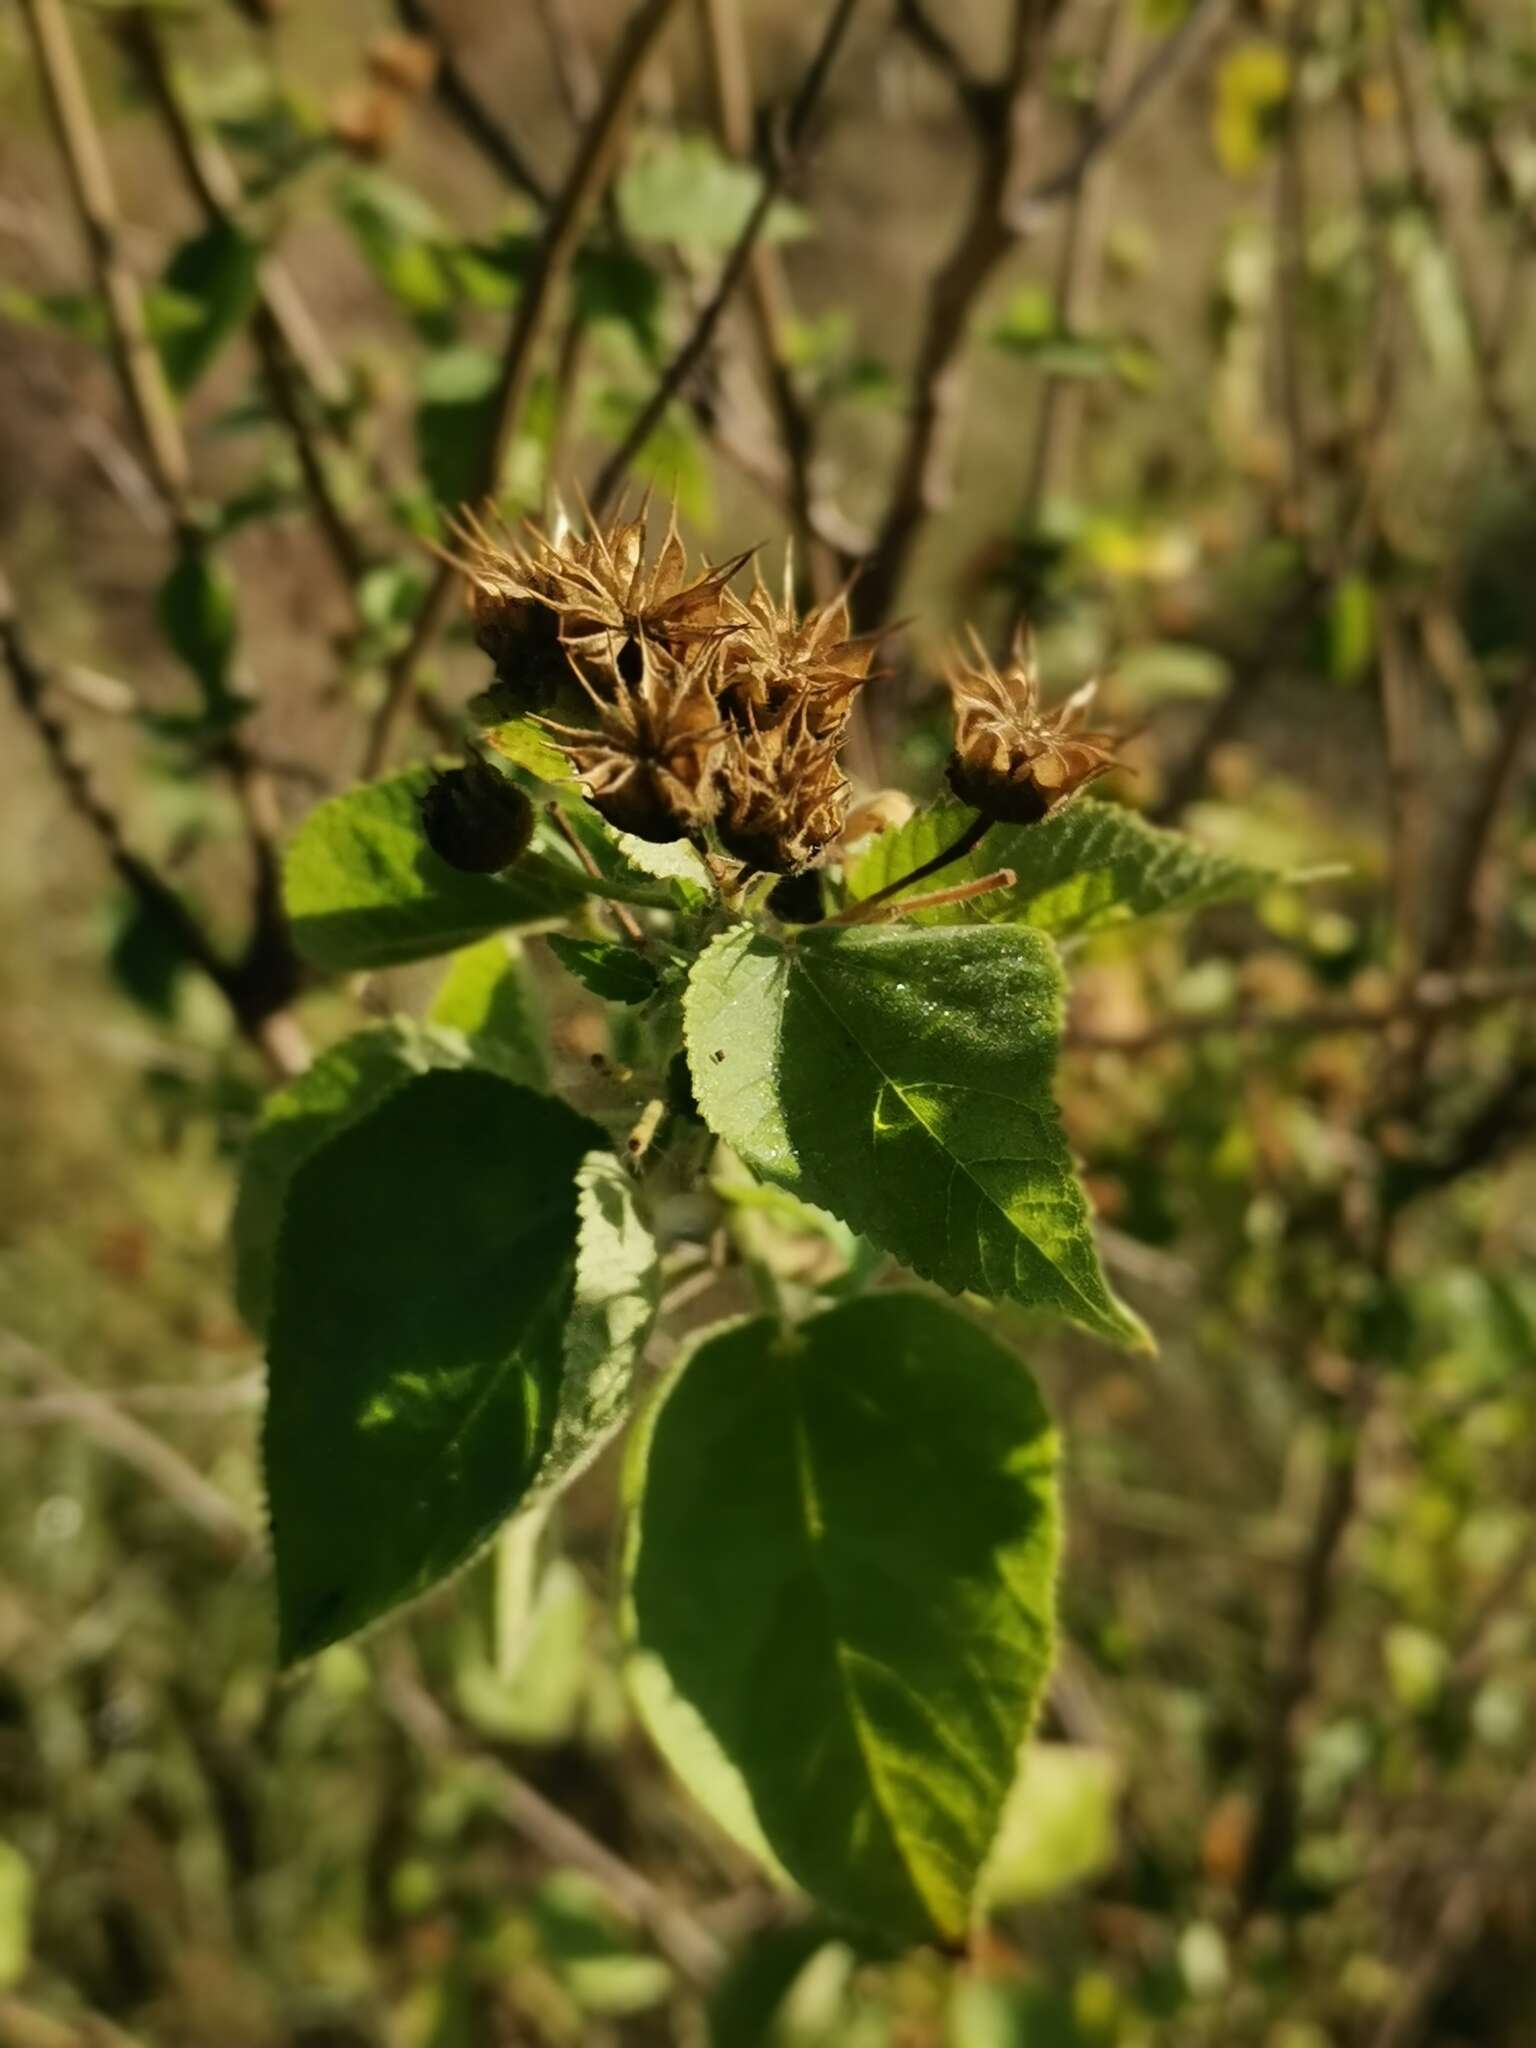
(968, 841)
(563, 229)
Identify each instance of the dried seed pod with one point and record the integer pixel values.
(476, 820)
(783, 796)
(598, 590)
(780, 660)
(1013, 760)
(649, 764)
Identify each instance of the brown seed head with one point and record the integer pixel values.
(779, 660)
(546, 602)
(1014, 760)
(783, 796)
(649, 763)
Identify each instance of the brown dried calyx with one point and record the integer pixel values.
(687, 712)
(649, 765)
(549, 607)
(778, 662)
(1013, 760)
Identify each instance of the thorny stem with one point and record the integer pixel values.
(567, 222)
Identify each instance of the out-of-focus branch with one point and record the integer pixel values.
(262, 983)
(575, 73)
(768, 299)
(566, 223)
(474, 118)
(257, 999)
(1440, 997)
(1291, 279)
(774, 173)
(106, 1424)
(138, 363)
(1162, 66)
(281, 330)
(1432, 196)
(1077, 265)
(1461, 921)
(690, 1947)
(1004, 117)
(1003, 207)
(1468, 1902)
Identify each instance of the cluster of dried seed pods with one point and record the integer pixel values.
(689, 712)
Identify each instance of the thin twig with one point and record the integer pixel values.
(1002, 209)
(245, 984)
(1159, 71)
(1062, 398)
(774, 173)
(278, 330)
(1461, 921)
(769, 306)
(575, 73)
(622, 915)
(475, 120)
(138, 362)
(1467, 1903)
(689, 1946)
(1439, 996)
(100, 1418)
(967, 842)
(1003, 120)
(563, 229)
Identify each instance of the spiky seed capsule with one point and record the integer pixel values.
(588, 594)
(649, 764)
(476, 820)
(779, 661)
(1014, 761)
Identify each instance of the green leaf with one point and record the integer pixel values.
(456, 396)
(1252, 83)
(486, 996)
(1058, 1828)
(16, 1896)
(616, 973)
(345, 1082)
(402, 241)
(1089, 866)
(611, 1311)
(425, 1272)
(215, 276)
(842, 1558)
(680, 188)
(196, 610)
(902, 1079)
(592, 1951)
(364, 889)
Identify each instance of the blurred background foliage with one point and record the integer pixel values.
(1204, 338)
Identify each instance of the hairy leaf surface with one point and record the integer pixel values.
(902, 1079)
(364, 889)
(426, 1269)
(1091, 865)
(840, 1579)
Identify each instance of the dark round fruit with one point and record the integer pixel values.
(797, 898)
(475, 820)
